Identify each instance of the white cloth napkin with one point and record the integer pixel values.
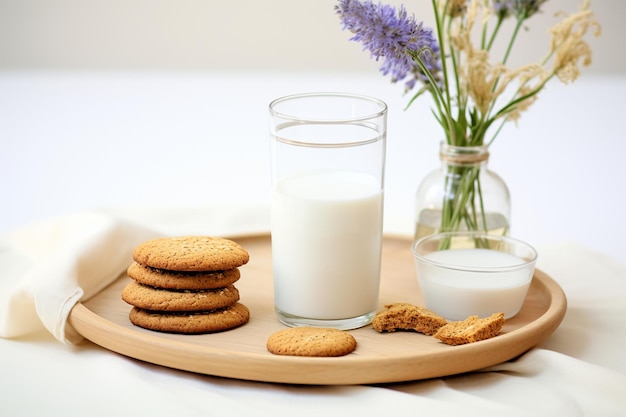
(46, 268)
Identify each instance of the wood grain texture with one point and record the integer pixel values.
(378, 358)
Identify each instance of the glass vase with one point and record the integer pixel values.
(462, 195)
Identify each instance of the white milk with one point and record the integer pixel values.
(455, 294)
(326, 244)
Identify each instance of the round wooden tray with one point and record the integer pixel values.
(379, 358)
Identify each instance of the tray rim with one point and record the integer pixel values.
(316, 371)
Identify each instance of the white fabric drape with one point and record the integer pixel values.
(45, 268)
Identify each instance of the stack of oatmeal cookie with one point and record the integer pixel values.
(185, 285)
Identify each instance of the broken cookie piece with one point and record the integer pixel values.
(472, 329)
(405, 316)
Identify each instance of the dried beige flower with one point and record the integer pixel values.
(530, 79)
(567, 45)
(482, 79)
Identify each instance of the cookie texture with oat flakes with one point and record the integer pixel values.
(311, 341)
(175, 280)
(472, 329)
(191, 322)
(158, 299)
(406, 316)
(191, 253)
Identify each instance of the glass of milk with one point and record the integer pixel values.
(328, 163)
(462, 274)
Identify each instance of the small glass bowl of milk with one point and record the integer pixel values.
(463, 274)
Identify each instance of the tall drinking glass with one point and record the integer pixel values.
(328, 164)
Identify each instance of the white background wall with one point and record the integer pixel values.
(95, 93)
(201, 35)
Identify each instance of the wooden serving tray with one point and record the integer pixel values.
(379, 358)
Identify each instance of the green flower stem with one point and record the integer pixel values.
(494, 34)
(518, 26)
(440, 98)
(463, 203)
(444, 69)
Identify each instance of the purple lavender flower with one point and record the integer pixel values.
(395, 37)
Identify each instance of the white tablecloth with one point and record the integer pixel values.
(187, 153)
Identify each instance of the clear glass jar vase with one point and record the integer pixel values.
(463, 194)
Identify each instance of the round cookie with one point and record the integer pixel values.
(175, 280)
(311, 341)
(158, 299)
(191, 253)
(193, 322)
